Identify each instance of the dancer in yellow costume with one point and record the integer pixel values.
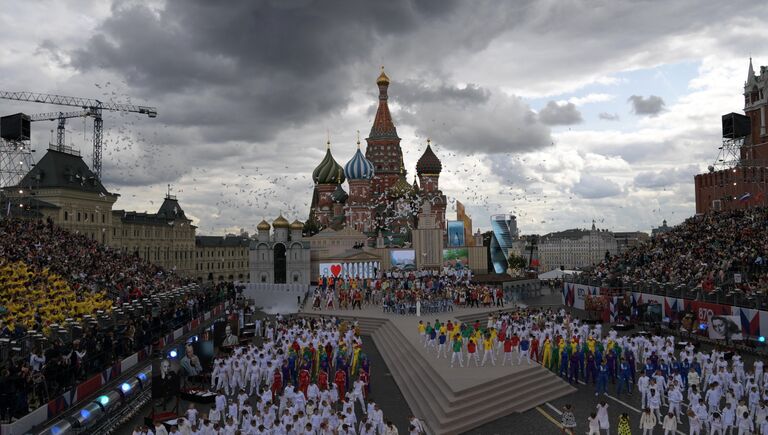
(546, 358)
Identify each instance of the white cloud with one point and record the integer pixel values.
(589, 98)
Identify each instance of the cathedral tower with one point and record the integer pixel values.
(359, 172)
(428, 168)
(383, 143)
(328, 175)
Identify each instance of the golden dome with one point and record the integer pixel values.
(297, 225)
(280, 222)
(383, 79)
(263, 226)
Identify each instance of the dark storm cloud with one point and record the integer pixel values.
(470, 119)
(560, 114)
(605, 116)
(651, 105)
(246, 70)
(595, 186)
(665, 178)
(412, 92)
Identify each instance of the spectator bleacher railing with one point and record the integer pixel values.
(104, 337)
(724, 292)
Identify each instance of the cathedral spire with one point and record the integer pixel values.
(383, 127)
(750, 74)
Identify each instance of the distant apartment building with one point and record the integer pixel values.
(575, 248)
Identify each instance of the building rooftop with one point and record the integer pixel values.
(229, 241)
(58, 169)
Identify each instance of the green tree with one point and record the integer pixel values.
(517, 262)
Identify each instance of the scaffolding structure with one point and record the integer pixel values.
(15, 161)
(729, 154)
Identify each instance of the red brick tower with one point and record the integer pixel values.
(383, 144)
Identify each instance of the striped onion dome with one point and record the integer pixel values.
(328, 171)
(359, 168)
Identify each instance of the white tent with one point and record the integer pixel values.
(557, 273)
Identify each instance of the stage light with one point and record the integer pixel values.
(761, 339)
(142, 377)
(703, 326)
(85, 414)
(192, 339)
(104, 400)
(173, 353)
(55, 430)
(126, 387)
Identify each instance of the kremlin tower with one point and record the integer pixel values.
(380, 199)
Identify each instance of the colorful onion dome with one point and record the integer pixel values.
(383, 80)
(263, 226)
(339, 195)
(280, 222)
(428, 163)
(328, 171)
(359, 168)
(401, 188)
(297, 225)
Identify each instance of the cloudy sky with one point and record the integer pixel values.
(557, 111)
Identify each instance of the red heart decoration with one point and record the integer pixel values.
(336, 270)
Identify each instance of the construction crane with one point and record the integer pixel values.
(92, 106)
(61, 117)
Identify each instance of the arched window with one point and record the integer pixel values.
(280, 263)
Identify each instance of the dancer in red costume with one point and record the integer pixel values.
(277, 384)
(322, 380)
(365, 378)
(341, 382)
(535, 349)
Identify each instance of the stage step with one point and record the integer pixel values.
(449, 412)
(431, 398)
(521, 379)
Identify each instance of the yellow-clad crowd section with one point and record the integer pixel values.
(25, 292)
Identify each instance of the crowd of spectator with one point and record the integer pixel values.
(47, 275)
(702, 252)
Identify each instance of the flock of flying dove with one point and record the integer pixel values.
(139, 162)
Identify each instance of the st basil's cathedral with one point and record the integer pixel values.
(379, 200)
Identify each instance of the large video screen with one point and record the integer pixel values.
(403, 259)
(362, 269)
(456, 258)
(456, 234)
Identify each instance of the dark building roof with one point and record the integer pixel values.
(59, 169)
(169, 213)
(171, 209)
(222, 242)
(428, 163)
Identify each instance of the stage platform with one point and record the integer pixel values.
(451, 400)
